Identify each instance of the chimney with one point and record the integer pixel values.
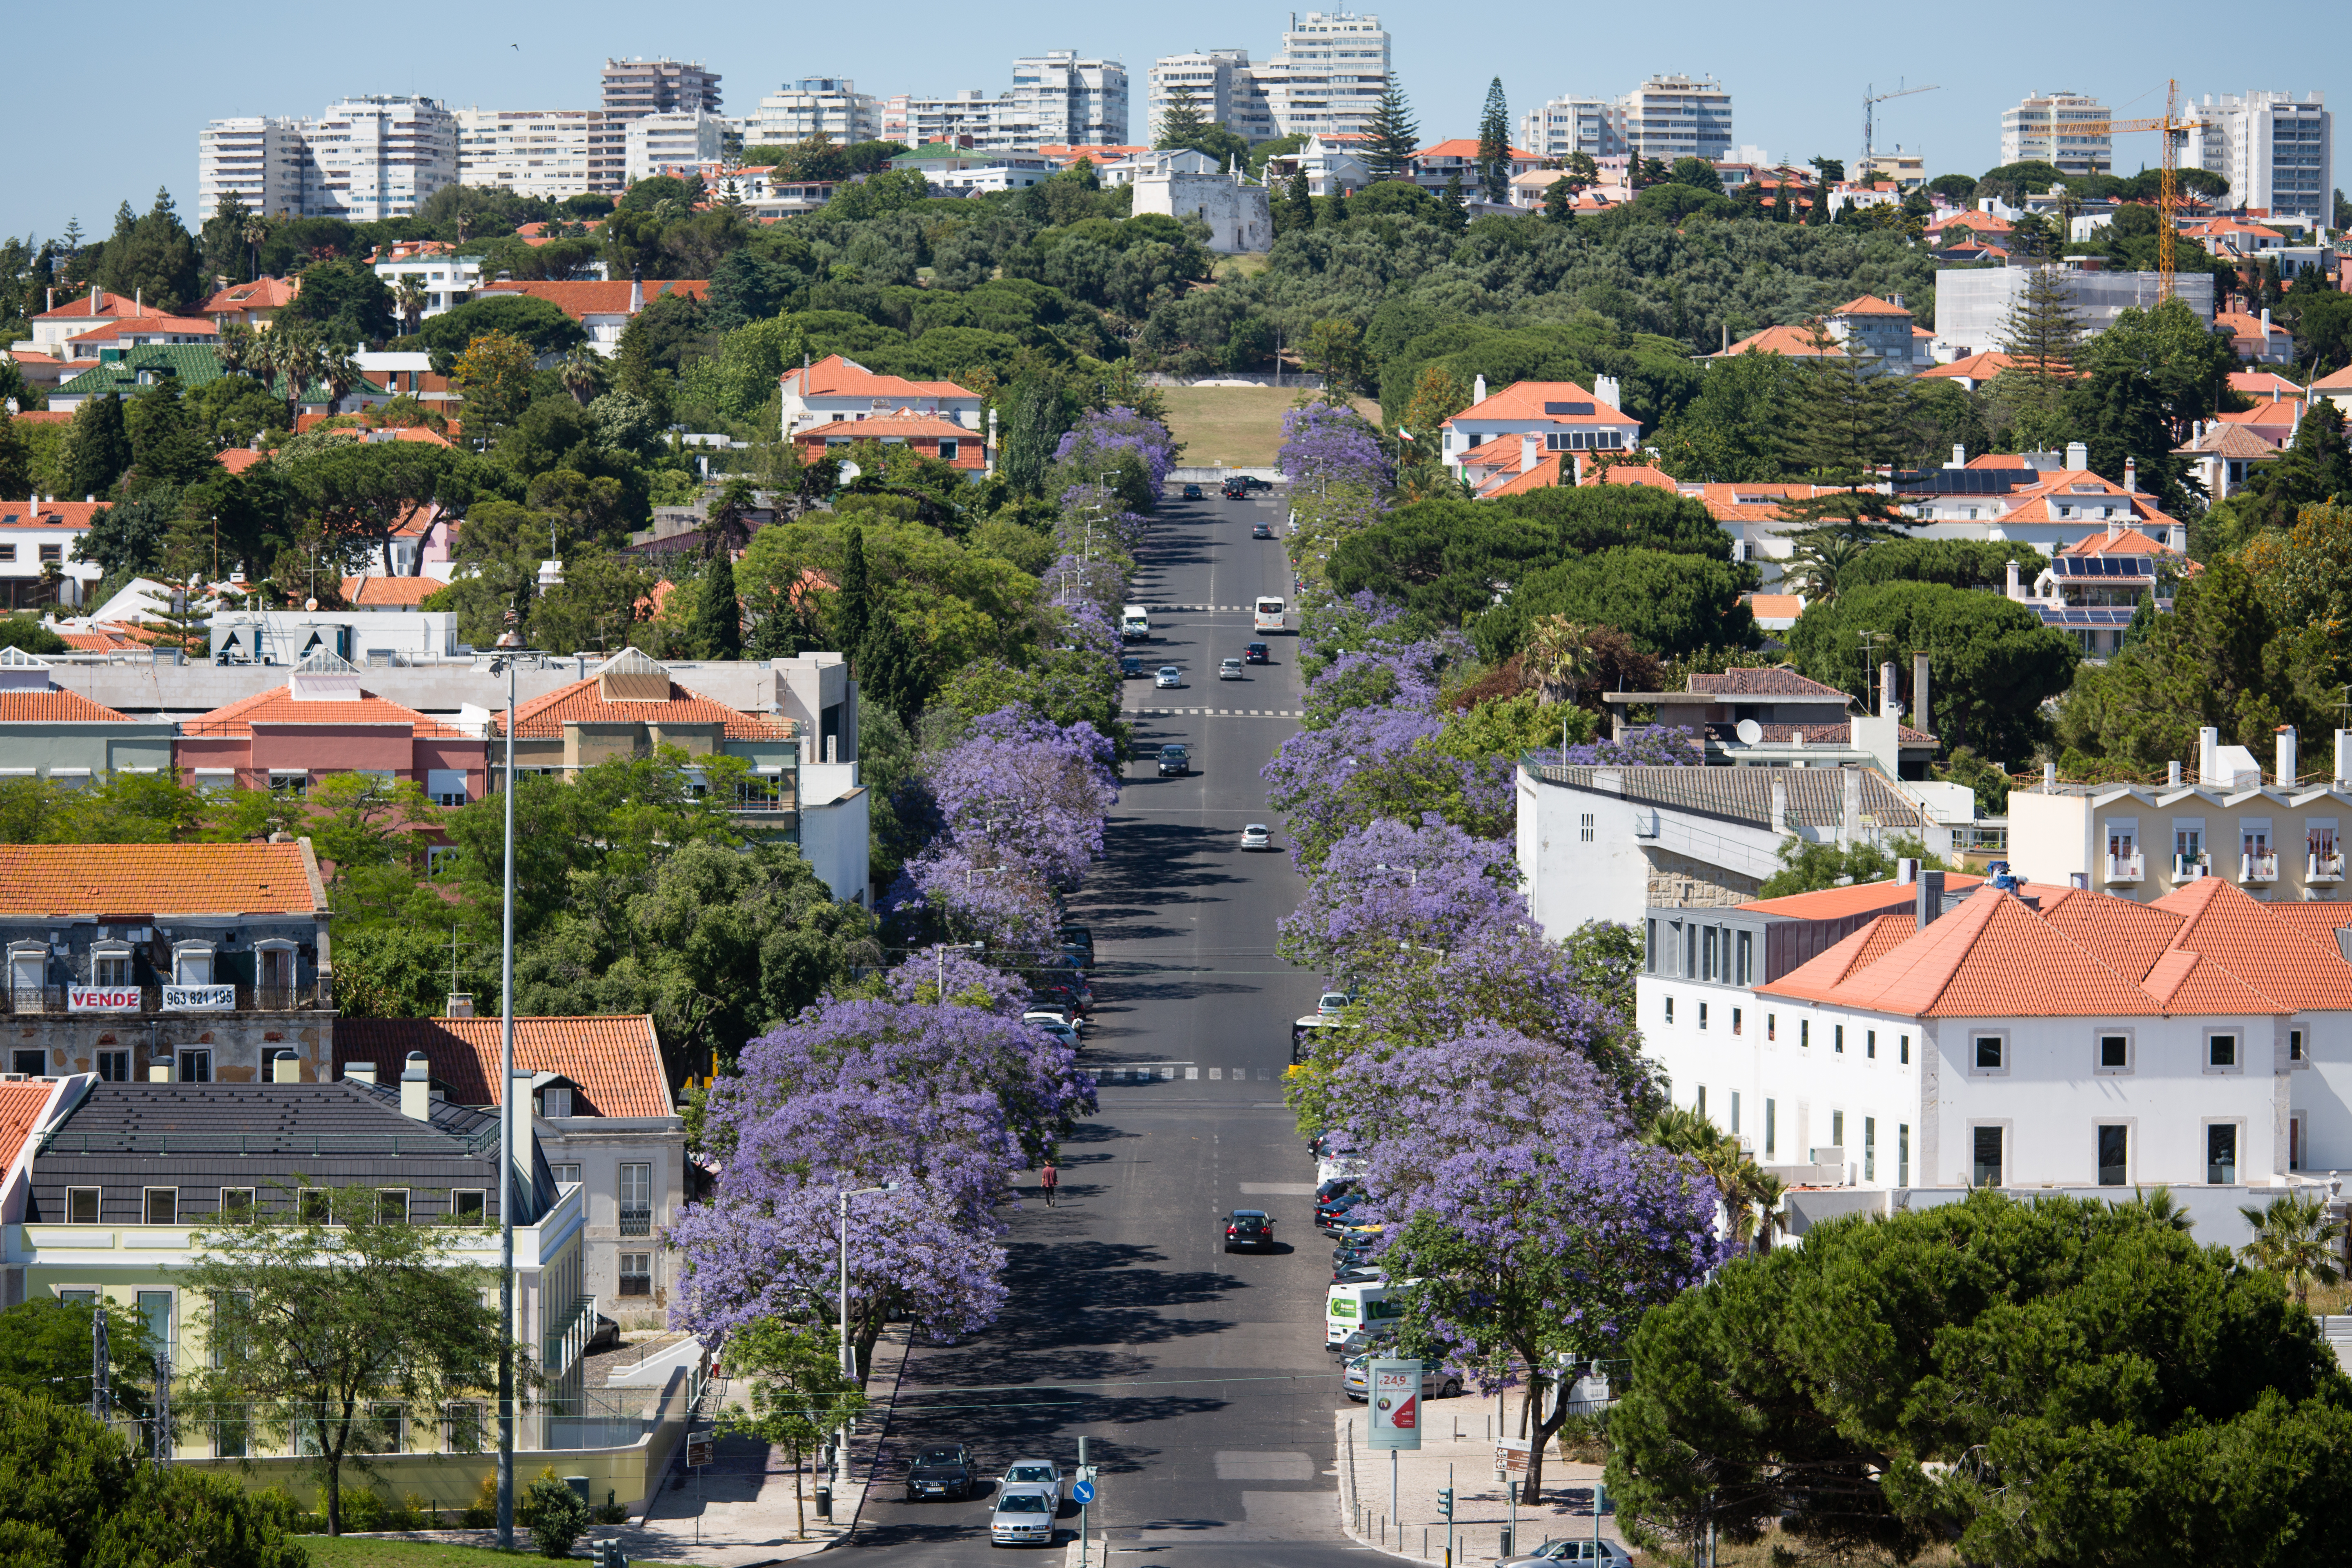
(1850, 825)
(2050, 775)
(1928, 901)
(95, 296)
(1906, 871)
(359, 1072)
(1889, 706)
(2208, 755)
(2286, 756)
(2266, 330)
(160, 1071)
(1528, 447)
(637, 289)
(1959, 457)
(1477, 391)
(2078, 455)
(1780, 804)
(2009, 585)
(461, 1004)
(2131, 476)
(1919, 693)
(49, 300)
(285, 1066)
(2343, 756)
(416, 1089)
(1726, 337)
(2172, 775)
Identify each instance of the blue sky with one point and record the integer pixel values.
(90, 130)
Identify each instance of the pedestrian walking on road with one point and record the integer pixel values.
(1048, 1177)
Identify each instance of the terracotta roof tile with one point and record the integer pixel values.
(1543, 475)
(2129, 541)
(1975, 367)
(261, 294)
(2277, 958)
(1526, 400)
(598, 299)
(1768, 682)
(1869, 305)
(160, 878)
(616, 1061)
(1860, 897)
(56, 706)
(1818, 979)
(580, 703)
(1795, 343)
(278, 706)
(377, 593)
(904, 423)
(22, 1106)
(236, 459)
(1631, 474)
(836, 377)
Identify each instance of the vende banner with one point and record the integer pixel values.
(102, 998)
(1393, 1393)
(199, 998)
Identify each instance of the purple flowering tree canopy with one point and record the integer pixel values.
(1655, 746)
(1388, 894)
(1322, 442)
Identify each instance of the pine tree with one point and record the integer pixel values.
(1181, 122)
(890, 671)
(1846, 414)
(1451, 212)
(852, 613)
(1495, 145)
(715, 629)
(97, 447)
(2042, 334)
(1394, 138)
(1297, 205)
(1560, 203)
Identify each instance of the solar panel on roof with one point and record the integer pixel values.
(1568, 409)
(1960, 481)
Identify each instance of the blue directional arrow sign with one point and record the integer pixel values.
(1084, 1492)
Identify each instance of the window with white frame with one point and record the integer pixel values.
(2221, 1153)
(2114, 1051)
(636, 1277)
(1989, 1053)
(82, 1206)
(2221, 1053)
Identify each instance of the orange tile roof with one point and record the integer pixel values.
(1631, 474)
(1998, 461)
(578, 703)
(376, 592)
(2264, 383)
(1982, 222)
(45, 416)
(835, 376)
(261, 294)
(2280, 414)
(160, 878)
(1794, 341)
(108, 305)
(2129, 935)
(106, 330)
(1977, 367)
(2245, 324)
(22, 1106)
(1869, 305)
(56, 706)
(1467, 147)
(1544, 474)
(578, 300)
(236, 459)
(903, 422)
(1992, 957)
(2318, 921)
(616, 1061)
(2226, 925)
(2130, 541)
(1526, 400)
(49, 513)
(278, 706)
(1860, 897)
(1774, 605)
(1818, 979)
(2339, 380)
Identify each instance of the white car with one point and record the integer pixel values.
(1024, 1516)
(1231, 669)
(1585, 1552)
(1034, 1473)
(1255, 837)
(1331, 1004)
(1169, 678)
(1054, 1025)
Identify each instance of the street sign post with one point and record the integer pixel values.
(1392, 1396)
(1083, 1489)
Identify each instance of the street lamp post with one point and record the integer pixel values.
(511, 642)
(848, 1354)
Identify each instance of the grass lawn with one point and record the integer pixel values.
(1239, 426)
(351, 1552)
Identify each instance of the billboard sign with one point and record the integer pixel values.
(199, 998)
(1392, 1395)
(102, 998)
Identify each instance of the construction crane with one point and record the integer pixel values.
(1870, 103)
(2174, 131)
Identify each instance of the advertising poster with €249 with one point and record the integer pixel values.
(1394, 1396)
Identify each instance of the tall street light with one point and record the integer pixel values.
(849, 1356)
(511, 644)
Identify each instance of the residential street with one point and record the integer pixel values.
(1199, 1378)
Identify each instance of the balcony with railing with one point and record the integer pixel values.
(2258, 869)
(2126, 867)
(2189, 868)
(2323, 869)
(636, 1219)
(314, 996)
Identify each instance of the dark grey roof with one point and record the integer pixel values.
(1816, 795)
(341, 1118)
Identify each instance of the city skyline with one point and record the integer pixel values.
(70, 165)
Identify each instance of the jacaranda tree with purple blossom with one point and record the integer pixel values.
(1527, 1219)
(1388, 894)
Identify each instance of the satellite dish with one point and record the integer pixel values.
(1750, 732)
(849, 470)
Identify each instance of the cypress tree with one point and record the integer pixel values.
(98, 448)
(1181, 122)
(1298, 204)
(715, 629)
(852, 614)
(1451, 212)
(889, 670)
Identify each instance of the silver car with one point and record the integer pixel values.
(1436, 1383)
(1584, 1552)
(1255, 837)
(1231, 669)
(1034, 1473)
(1024, 1516)
(1169, 678)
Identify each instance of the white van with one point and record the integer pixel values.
(1134, 624)
(1351, 1307)
(1268, 614)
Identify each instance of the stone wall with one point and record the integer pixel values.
(1238, 215)
(1680, 881)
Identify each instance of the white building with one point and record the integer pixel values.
(1667, 117)
(448, 280)
(2276, 149)
(2036, 131)
(2021, 1037)
(381, 155)
(1973, 303)
(637, 87)
(1061, 101)
(1566, 416)
(815, 103)
(1329, 164)
(835, 388)
(549, 152)
(1328, 77)
(263, 161)
(1186, 183)
(657, 142)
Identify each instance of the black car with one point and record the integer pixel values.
(1251, 1228)
(1130, 668)
(1082, 939)
(1256, 653)
(943, 1470)
(1260, 530)
(1191, 492)
(1235, 489)
(1252, 482)
(1174, 760)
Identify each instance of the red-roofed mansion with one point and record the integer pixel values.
(1564, 416)
(841, 391)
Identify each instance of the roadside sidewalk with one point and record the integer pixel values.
(1481, 1502)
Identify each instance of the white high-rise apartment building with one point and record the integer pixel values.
(831, 104)
(1328, 80)
(1059, 100)
(658, 142)
(2276, 151)
(2035, 131)
(1667, 117)
(264, 162)
(381, 155)
(637, 87)
(550, 153)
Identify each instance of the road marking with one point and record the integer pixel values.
(1191, 1073)
(1216, 1073)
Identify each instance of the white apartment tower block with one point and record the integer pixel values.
(829, 104)
(381, 155)
(1059, 100)
(1666, 118)
(262, 161)
(547, 152)
(638, 87)
(2276, 149)
(658, 142)
(1328, 80)
(2036, 131)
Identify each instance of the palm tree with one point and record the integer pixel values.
(239, 349)
(2296, 1239)
(294, 355)
(1749, 1193)
(1560, 655)
(411, 299)
(2161, 1209)
(582, 373)
(340, 373)
(1819, 559)
(256, 230)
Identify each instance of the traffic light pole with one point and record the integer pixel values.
(1449, 1514)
